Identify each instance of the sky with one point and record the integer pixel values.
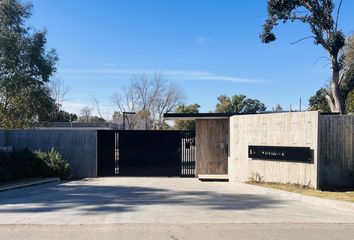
(208, 47)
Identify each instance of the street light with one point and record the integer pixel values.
(124, 114)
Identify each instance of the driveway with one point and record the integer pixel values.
(156, 200)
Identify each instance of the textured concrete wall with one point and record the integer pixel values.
(336, 150)
(78, 147)
(280, 129)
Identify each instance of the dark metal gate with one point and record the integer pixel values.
(146, 153)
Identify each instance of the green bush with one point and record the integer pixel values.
(58, 167)
(16, 165)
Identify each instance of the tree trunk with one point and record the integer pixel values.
(337, 106)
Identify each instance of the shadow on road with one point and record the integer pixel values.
(91, 198)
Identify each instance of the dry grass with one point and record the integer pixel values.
(343, 195)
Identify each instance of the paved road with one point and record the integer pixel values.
(169, 208)
(180, 232)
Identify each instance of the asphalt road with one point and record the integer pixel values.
(163, 208)
(180, 232)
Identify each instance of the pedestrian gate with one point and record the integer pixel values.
(146, 153)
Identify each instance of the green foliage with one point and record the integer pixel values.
(20, 164)
(350, 103)
(16, 165)
(347, 83)
(53, 160)
(117, 115)
(318, 102)
(25, 68)
(57, 116)
(346, 86)
(316, 13)
(239, 104)
(63, 116)
(278, 108)
(186, 124)
(96, 119)
(320, 16)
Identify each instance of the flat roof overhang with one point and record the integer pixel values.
(195, 116)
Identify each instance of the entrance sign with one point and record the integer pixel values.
(292, 154)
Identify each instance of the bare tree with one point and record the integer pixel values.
(150, 97)
(59, 92)
(141, 85)
(85, 114)
(168, 99)
(148, 90)
(127, 101)
(97, 103)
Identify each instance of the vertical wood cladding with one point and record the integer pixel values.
(212, 140)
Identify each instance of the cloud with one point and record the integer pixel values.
(171, 74)
(75, 107)
(200, 40)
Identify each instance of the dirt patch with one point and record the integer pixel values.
(339, 194)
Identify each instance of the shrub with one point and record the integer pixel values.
(20, 164)
(57, 166)
(15, 165)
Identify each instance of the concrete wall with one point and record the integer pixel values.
(280, 129)
(336, 145)
(78, 147)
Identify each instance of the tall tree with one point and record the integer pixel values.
(186, 124)
(224, 104)
(25, 67)
(318, 102)
(149, 96)
(322, 18)
(168, 98)
(347, 82)
(239, 104)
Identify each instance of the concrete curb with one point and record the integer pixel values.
(336, 204)
(27, 184)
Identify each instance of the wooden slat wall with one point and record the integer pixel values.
(212, 146)
(336, 150)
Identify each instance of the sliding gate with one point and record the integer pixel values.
(146, 153)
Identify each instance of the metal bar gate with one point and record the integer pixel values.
(146, 153)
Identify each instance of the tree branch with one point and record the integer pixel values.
(338, 11)
(319, 59)
(293, 43)
(97, 103)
